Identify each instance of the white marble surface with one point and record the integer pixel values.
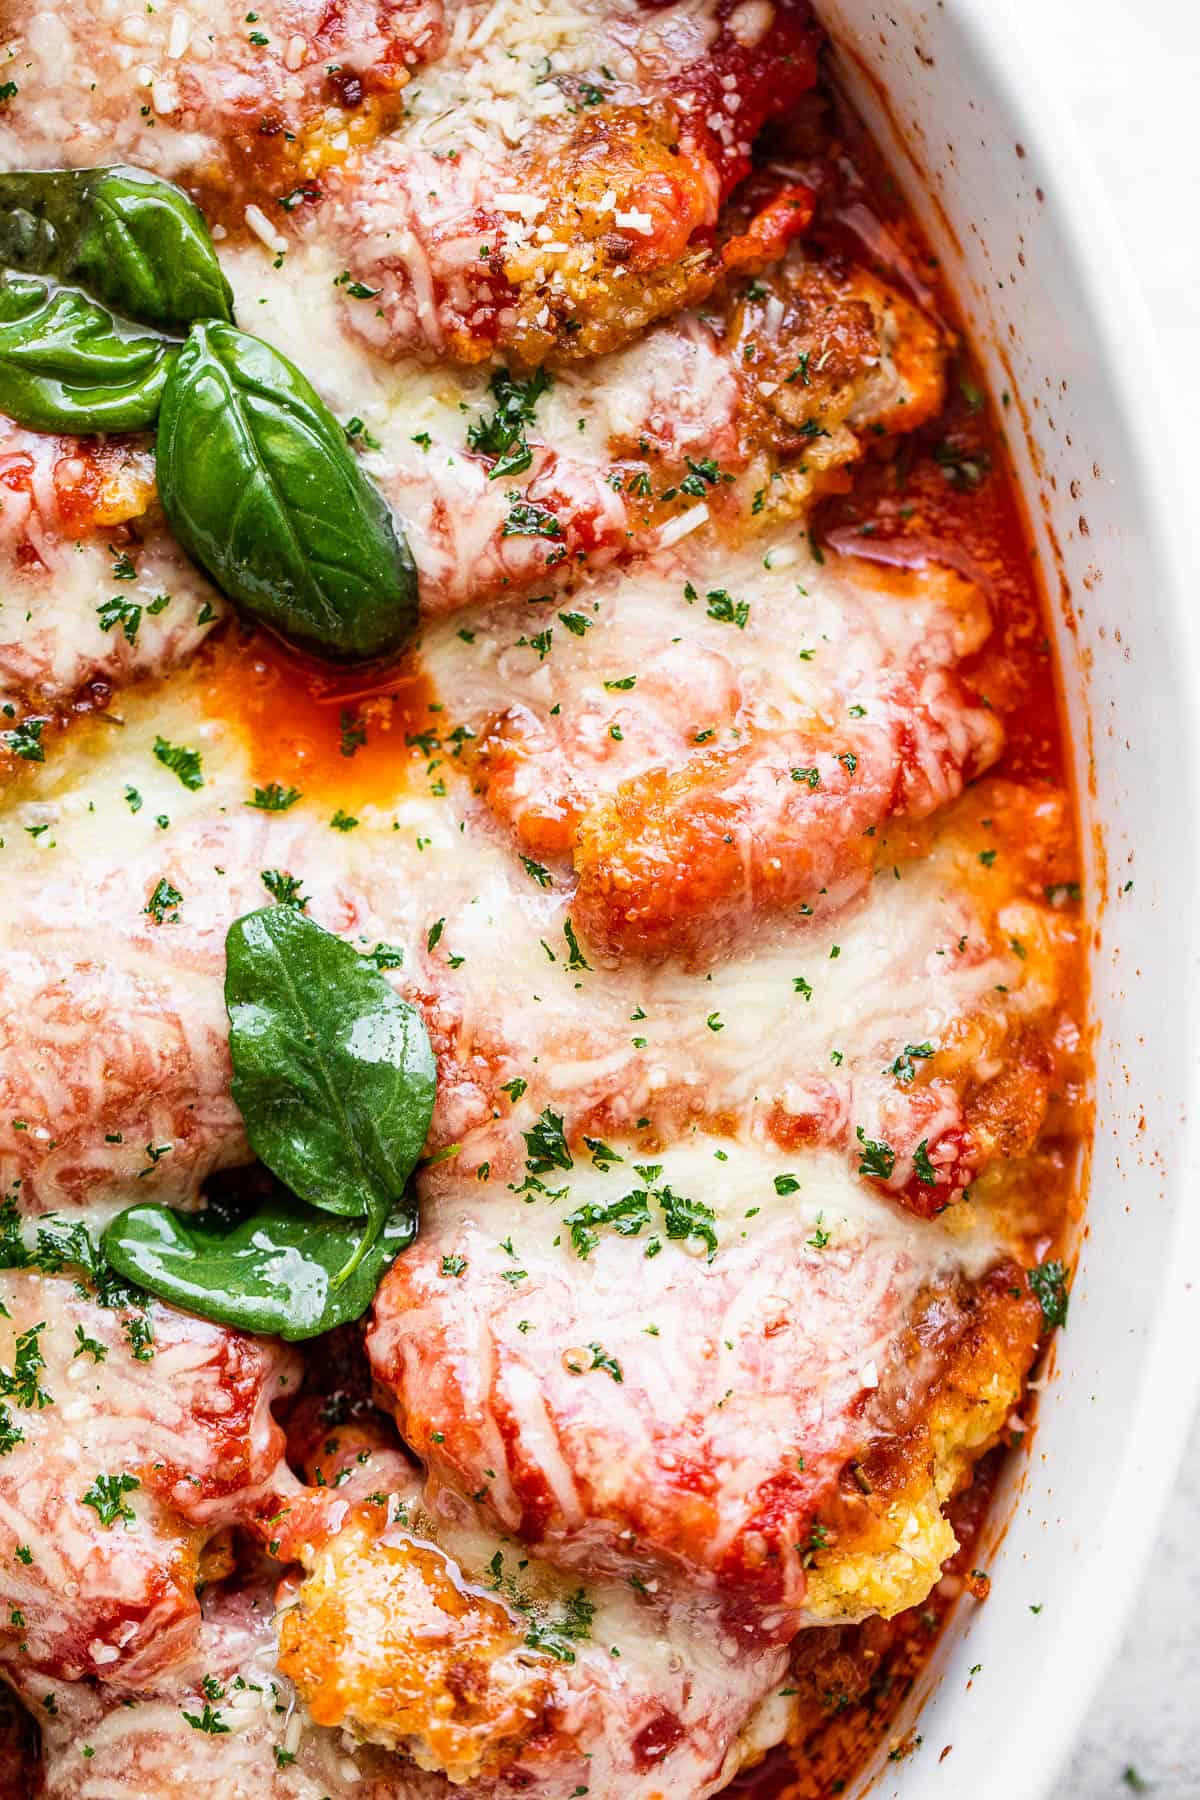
(1145, 1723)
(1130, 70)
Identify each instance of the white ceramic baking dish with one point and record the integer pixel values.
(976, 135)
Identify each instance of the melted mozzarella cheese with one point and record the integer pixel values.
(75, 607)
(126, 1463)
(130, 1045)
(166, 87)
(636, 1381)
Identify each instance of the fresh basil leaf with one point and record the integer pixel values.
(135, 242)
(277, 1270)
(66, 365)
(261, 489)
(332, 1071)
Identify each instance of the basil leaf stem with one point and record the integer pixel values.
(262, 490)
(133, 241)
(67, 365)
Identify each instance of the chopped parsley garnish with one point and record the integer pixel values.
(502, 433)
(555, 1636)
(576, 960)
(358, 290)
(817, 1539)
(1062, 892)
(603, 1156)
(600, 1360)
(682, 1217)
(21, 1383)
(155, 1153)
(284, 889)
(540, 641)
(181, 761)
(58, 1246)
(527, 519)
(352, 732)
(537, 871)
(119, 611)
(139, 1330)
(964, 469)
(163, 903)
(357, 433)
(726, 610)
(209, 1721)
(88, 1346)
(876, 1159)
(308, 190)
(904, 1067)
(1048, 1283)
(274, 798)
(626, 1217)
(106, 1497)
(25, 740)
(800, 372)
(923, 1168)
(546, 1146)
(700, 477)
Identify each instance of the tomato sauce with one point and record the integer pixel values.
(853, 1682)
(944, 493)
(350, 737)
(948, 485)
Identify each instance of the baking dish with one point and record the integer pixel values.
(1096, 527)
(981, 144)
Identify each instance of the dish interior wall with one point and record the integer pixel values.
(948, 95)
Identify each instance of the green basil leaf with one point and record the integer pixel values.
(278, 1270)
(135, 242)
(332, 1071)
(262, 490)
(66, 365)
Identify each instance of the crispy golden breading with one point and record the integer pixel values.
(385, 1638)
(887, 1545)
(603, 286)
